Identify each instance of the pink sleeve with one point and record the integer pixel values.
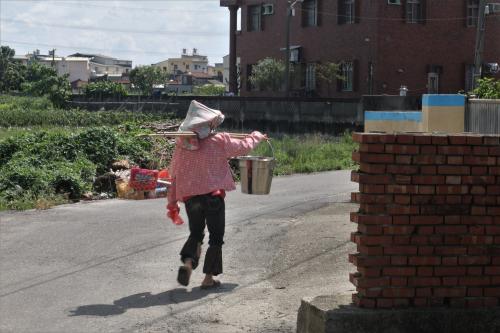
(171, 195)
(237, 147)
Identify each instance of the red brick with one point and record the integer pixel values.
(494, 151)
(493, 171)
(424, 281)
(452, 219)
(428, 169)
(450, 250)
(372, 188)
(452, 189)
(474, 281)
(372, 168)
(454, 180)
(370, 250)
(479, 170)
(399, 260)
(373, 137)
(453, 170)
(480, 150)
(402, 149)
(402, 210)
(476, 230)
(373, 240)
(369, 271)
(449, 271)
(370, 229)
(400, 219)
(491, 140)
(493, 189)
(423, 139)
(474, 139)
(374, 219)
(495, 211)
(402, 199)
(399, 271)
(385, 303)
(428, 180)
(373, 158)
(454, 150)
(450, 292)
(401, 189)
(478, 180)
(368, 261)
(403, 159)
(424, 261)
(439, 139)
(423, 219)
(405, 138)
(369, 292)
(493, 230)
(426, 189)
(398, 230)
(425, 271)
(474, 271)
(363, 302)
(476, 240)
(479, 250)
(479, 160)
(474, 292)
(457, 139)
(475, 260)
(477, 220)
(398, 292)
(455, 160)
(450, 261)
(420, 302)
(451, 229)
(400, 250)
(365, 178)
(371, 148)
(355, 197)
(453, 199)
(372, 209)
(364, 198)
(402, 169)
(429, 159)
(492, 292)
(428, 150)
(363, 282)
(478, 210)
(425, 250)
(402, 240)
(402, 179)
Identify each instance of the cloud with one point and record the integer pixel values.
(118, 28)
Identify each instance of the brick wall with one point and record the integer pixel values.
(429, 220)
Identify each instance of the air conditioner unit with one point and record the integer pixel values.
(494, 7)
(268, 9)
(394, 2)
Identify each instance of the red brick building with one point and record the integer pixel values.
(426, 45)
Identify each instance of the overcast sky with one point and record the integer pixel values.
(143, 31)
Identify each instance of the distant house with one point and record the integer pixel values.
(425, 45)
(194, 63)
(104, 66)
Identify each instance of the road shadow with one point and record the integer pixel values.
(145, 300)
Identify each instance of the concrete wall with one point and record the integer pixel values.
(443, 113)
(428, 222)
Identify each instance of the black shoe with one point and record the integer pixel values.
(183, 275)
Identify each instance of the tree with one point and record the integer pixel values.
(145, 77)
(488, 88)
(328, 72)
(210, 90)
(268, 74)
(11, 73)
(44, 81)
(105, 89)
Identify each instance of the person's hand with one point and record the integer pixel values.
(259, 136)
(173, 213)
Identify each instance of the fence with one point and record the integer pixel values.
(293, 115)
(482, 116)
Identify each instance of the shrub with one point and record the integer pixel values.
(105, 89)
(488, 88)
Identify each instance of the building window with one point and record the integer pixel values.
(469, 77)
(175, 67)
(250, 86)
(413, 11)
(433, 83)
(349, 11)
(187, 67)
(310, 13)
(311, 77)
(254, 23)
(195, 67)
(347, 73)
(472, 12)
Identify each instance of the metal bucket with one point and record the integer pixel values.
(256, 173)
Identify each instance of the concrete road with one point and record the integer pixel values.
(111, 266)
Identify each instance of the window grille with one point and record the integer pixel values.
(472, 12)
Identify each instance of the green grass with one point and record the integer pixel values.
(309, 153)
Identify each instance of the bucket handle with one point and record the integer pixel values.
(270, 145)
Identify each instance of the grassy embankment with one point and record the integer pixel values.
(50, 156)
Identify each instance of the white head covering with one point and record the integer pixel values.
(201, 119)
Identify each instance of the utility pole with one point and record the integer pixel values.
(479, 47)
(53, 57)
(289, 14)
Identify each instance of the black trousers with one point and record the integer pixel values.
(205, 210)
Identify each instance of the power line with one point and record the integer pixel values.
(101, 50)
(93, 28)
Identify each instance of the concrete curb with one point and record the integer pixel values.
(336, 314)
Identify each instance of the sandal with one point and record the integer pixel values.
(214, 285)
(183, 275)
